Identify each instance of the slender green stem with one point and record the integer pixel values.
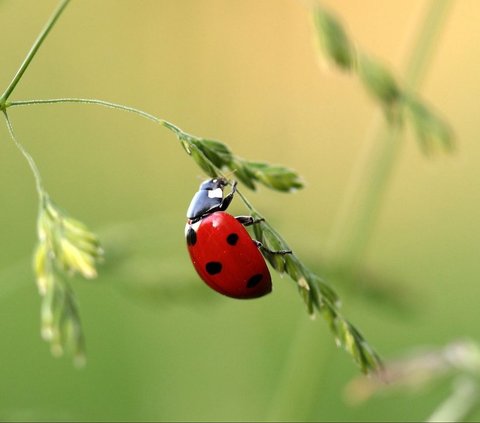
(88, 101)
(107, 104)
(246, 202)
(33, 51)
(28, 157)
(364, 195)
(426, 43)
(370, 178)
(110, 105)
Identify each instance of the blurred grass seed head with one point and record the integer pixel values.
(432, 132)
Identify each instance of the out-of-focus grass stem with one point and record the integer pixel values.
(358, 215)
(370, 178)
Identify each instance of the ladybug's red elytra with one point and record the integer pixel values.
(222, 251)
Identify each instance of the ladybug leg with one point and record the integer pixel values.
(227, 199)
(248, 220)
(262, 247)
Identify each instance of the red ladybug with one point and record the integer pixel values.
(222, 251)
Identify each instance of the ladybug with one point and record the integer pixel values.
(222, 251)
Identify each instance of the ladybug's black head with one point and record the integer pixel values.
(213, 184)
(208, 198)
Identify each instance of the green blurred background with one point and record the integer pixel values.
(160, 344)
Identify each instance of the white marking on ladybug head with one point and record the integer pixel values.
(215, 193)
(194, 226)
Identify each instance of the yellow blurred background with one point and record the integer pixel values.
(160, 344)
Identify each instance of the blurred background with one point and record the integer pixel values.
(161, 345)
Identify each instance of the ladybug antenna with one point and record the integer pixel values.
(228, 176)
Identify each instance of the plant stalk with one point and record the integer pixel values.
(33, 166)
(104, 103)
(33, 51)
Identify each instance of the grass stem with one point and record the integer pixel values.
(32, 52)
(103, 103)
(28, 157)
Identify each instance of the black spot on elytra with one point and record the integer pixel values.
(254, 280)
(213, 267)
(232, 239)
(191, 236)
